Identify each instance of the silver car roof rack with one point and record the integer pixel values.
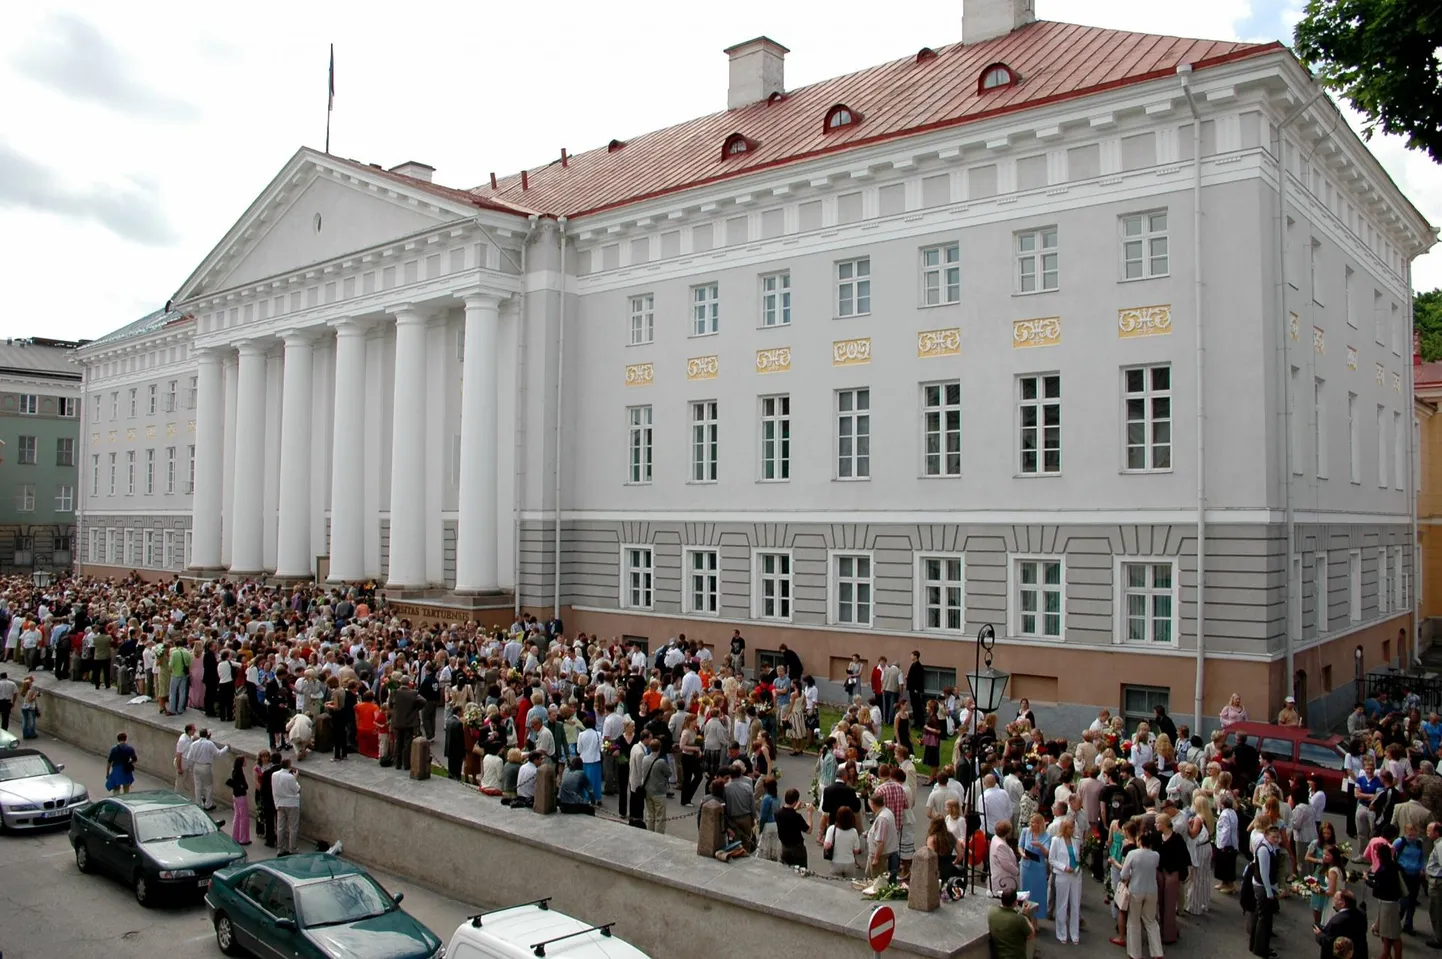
(539, 949)
(543, 904)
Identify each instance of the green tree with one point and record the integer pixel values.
(1427, 316)
(1381, 55)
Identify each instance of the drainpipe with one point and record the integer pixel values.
(1286, 377)
(561, 222)
(1411, 420)
(518, 451)
(1184, 72)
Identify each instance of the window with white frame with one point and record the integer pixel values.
(1039, 419)
(167, 548)
(1036, 261)
(638, 577)
(853, 286)
(147, 540)
(95, 408)
(705, 430)
(1379, 318)
(190, 469)
(1384, 594)
(134, 391)
(27, 451)
(1354, 586)
(941, 593)
(1382, 446)
(65, 498)
(172, 396)
(1399, 583)
(773, 585)
(1147, 396)
(186, 557)
(68, 406)
(149, 472)
(776, 299)
(941, 428)
(1319, 424)
(92, 546)
(65, 451)
(130, 473)
(1349, 296)
(25, 498)
(643, 318)
(1038, 597)
(1144, 245)
(115, 405)
(1314, 268)
(170, 469)
(640, 437)
(1322, 587)
(192, 394)
(1399, 451)
(154, 398)
(94, 474)
(29, 404)
(703, 582)
(1398, 331)
(112, 474)
(1354, 440)
(853, 434)
(851, 577)
(705, 309)
(775, 438)
(941, 274)
(1149, 600)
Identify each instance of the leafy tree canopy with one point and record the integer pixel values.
(1427, 315)
(1385, 58)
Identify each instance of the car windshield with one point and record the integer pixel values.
(175, 822)
(23, 767)
(342, 899)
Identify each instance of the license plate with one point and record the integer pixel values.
(55, 814)
(203, 883)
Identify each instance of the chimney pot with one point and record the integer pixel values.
(415, 170)
(525, 181)
(565, 160)
(757, 71)
(988, 19)
(493, 179)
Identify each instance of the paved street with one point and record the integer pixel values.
(49, 910)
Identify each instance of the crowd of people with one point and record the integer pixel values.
(1164, 820)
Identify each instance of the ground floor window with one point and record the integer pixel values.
(1138, 704)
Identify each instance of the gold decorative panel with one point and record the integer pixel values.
(1319, 340)
(1351, 357)
(190, 426)
(1381, 375)
(110, 437)
(150, 432)
(777, 360)
(1294, 325)
(1144, 321)
(931, 343)
(851, 352)
(702, 368)
(640, 374)
(130, 434)
(1396, 382)
(1044, 331)
(94, 439)
(169, 429)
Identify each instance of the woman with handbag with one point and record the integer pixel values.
(843, 846)
(1123, 842)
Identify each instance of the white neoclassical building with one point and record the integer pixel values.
(1098, 337)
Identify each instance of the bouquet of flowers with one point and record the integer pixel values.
(473, 717)
(1126, 747)
(865, 784)
(1345, 848)
(1307, 886)
(884, 752)
(608, 746)
(1090, 845)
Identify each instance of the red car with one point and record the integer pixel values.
(1297, 751)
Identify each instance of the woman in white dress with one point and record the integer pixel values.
(1065, 859)
(1199, 844)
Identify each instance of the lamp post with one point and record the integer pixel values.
(988, 690)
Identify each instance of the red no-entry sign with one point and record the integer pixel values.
(881, 928)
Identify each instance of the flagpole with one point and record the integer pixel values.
(330, 98)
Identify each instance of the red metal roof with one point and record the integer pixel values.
(468, 197)
(1427, 375)
(1056, 61)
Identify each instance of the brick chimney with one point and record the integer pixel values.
(987, 19)
(418, 171)
(757, 71)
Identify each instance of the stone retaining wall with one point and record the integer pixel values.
(664, 898)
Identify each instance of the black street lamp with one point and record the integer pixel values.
(988, 691)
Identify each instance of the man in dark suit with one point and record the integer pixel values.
(405, 706)
(1347, 922)
(834, 797)
(916, 688)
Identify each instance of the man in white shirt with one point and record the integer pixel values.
(690, 686)
(995, 805)
(588, 748)
(285, 794)
(182, 749)
(615, 723)
(200, 757)
(9, 695)
(526, 781)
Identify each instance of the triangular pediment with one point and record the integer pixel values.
(317, 209)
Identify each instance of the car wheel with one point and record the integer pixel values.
(225, 935)
(82, 857)
(143, 893)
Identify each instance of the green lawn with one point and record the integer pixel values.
(830, 715)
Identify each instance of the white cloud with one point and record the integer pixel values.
(466, 87)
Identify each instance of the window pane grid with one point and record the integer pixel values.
(1144, 246)
(639, 582)
(1147, 599)
(1148, 409)
(1037, 261)
(942, 593)
(775, 585)
(775, 437)
(776, 299)
(641, 438)
(941, 424)
(705, 309)
(853, 434)
(853, 287)
(853, 590)
(643, 319)
(1039, 409)
(1039, 598)
(704, 441)
(704, 582)
(941, 274)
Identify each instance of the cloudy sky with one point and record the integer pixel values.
(133, 135)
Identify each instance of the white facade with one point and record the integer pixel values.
(833, 385)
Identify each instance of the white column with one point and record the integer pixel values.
(348, 462)
(270, 504)
(247, 536)
(227, 522)
(476, 545)
(207, 497)
(408, 450)
(437, 452)
(293, 558)
(377, 444)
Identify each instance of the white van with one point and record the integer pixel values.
(533, 930)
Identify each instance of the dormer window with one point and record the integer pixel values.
(840, 116)
(736, 144)
(776, 97)
(996, 76)
(925, 54)
(615, 145)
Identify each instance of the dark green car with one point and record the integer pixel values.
(313, 906)
(158, 842)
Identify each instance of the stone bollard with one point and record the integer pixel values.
(711, 834)
(924, 888)
(545, 789)
(420, 759)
